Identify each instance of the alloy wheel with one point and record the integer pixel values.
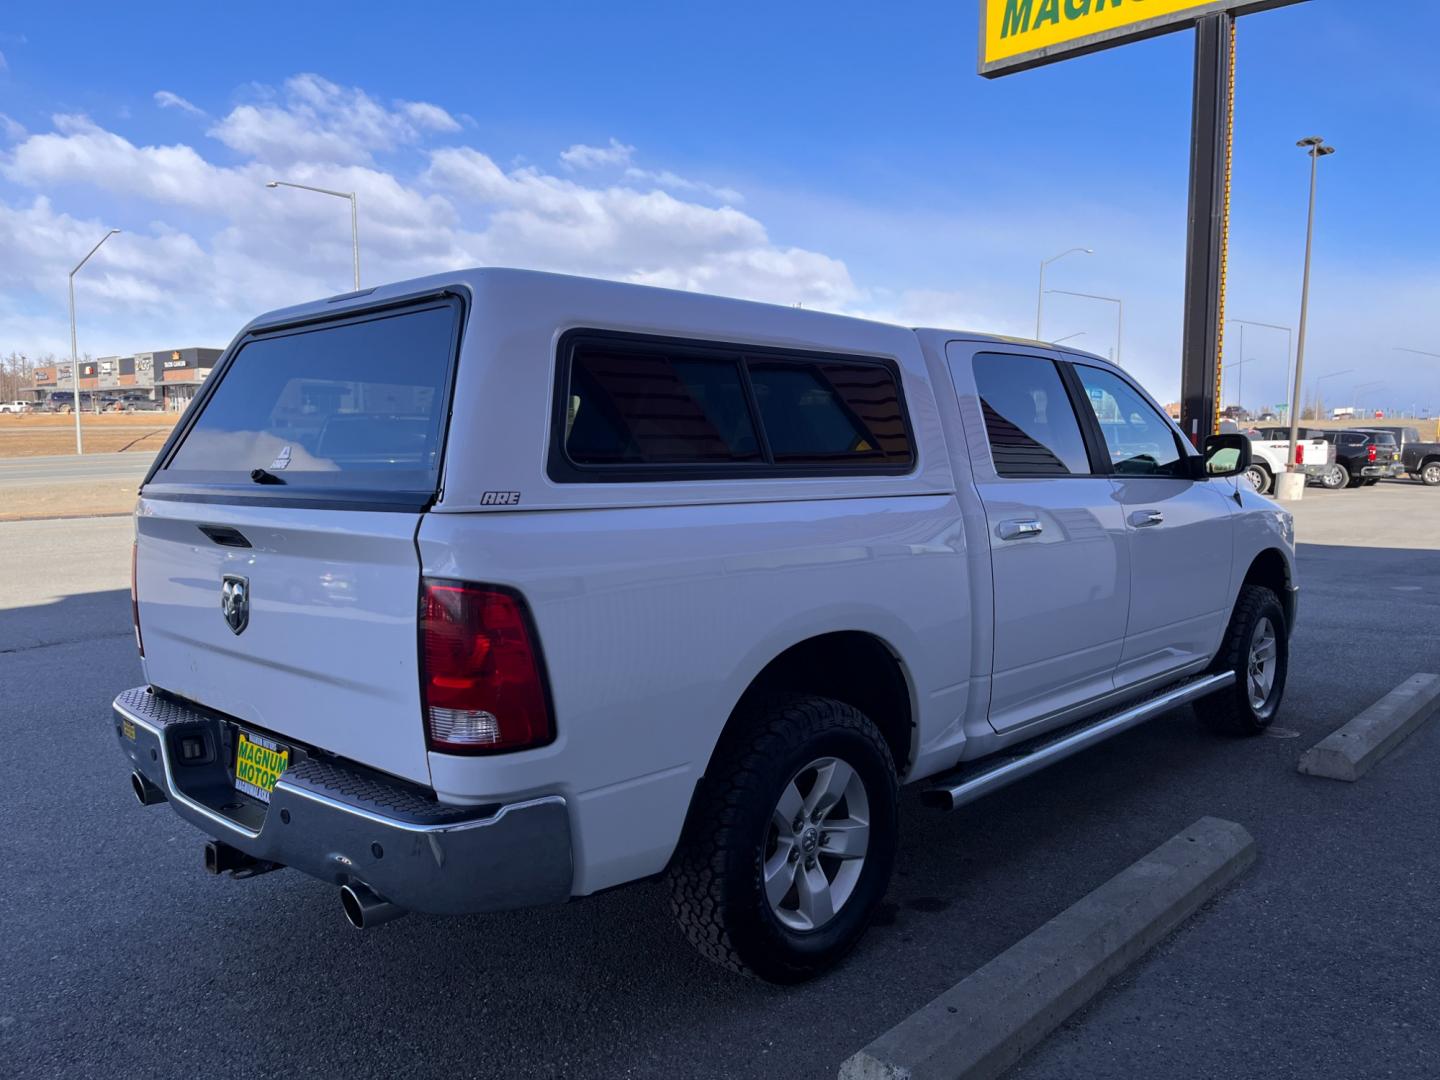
(816, 844)
(1260, 668)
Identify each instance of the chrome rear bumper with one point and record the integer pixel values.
(344, 825)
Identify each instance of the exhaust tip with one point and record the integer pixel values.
(145, 792)
(363, 909)
(350, 903)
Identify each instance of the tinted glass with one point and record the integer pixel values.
(355, 405)
(831, 413)
(635, 407)
(1140, 441)
(1028, 417)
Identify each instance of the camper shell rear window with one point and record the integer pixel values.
(353, 408)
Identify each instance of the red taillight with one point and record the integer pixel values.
(135, 596)
(1370, 453)
(1299, 453)
(480, 673)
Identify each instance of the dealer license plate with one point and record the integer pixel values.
(258, 764)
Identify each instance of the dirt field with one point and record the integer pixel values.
(90, 498)
(54, 433)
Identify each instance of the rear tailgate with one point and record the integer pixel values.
(277, 575)
(327, 653)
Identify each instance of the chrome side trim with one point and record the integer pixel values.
(983, 782)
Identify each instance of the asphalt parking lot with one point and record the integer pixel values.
(121, 955)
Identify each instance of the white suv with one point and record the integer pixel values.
(501, 588)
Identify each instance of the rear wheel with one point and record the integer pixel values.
(791, 842)
(1334, 478)
(1430, 474)
(1259, 478)
(1257, 649)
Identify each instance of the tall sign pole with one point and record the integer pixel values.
(1208, 226)
(1016, 35)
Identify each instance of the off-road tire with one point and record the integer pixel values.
(1230, 711)
(716, 888)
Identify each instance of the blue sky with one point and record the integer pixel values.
(839, 155)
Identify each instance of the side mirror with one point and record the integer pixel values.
(1226, 455)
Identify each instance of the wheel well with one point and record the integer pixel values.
(849, 666)
(1272, 571)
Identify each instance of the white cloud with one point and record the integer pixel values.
(167, 100)
(317, 121)
(429, 117)
(581, 156)
(617, 154)
(13, 130)
(669, 181)
(232, 248)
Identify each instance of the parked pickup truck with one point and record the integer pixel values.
(15, 406)
(500, 588)
(1419, 460)
(1270, 450)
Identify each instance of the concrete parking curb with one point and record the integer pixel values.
(1352, 751)
(983, 1025)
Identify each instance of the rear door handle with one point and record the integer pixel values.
(1018, 530)
(1147, 519)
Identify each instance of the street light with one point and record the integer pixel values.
(354, 217)
(74, 350)
(1240, 393)
(1316, 149)
(1289, 342)
(1294, 423)
(1040, 296)
(1120, 323)
(1364, 388)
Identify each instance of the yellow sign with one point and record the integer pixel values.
(1017, 34)
(258, 764)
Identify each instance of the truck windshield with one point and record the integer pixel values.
(357, 405)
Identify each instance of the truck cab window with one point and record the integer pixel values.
(1028, 417)
(1140, 441)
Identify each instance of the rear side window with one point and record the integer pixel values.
(828, 414)
(356, 405)
(651, 409)
(629, 408)
(1029, 420)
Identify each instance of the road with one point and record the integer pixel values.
(123, 957)
(67, 468)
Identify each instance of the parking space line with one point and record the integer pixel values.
(1353, 750)
(984, 1024)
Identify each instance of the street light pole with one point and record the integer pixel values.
(74, 349)
(1318, 409)
(1289, 342)
(1040, 296)
(354, 217)
(1316, 148)
(1120, 318)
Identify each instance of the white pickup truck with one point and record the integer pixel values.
(500, 588)
(1271, 457)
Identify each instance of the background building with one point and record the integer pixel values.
(170, 376)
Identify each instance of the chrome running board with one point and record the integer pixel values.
(975, 779)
